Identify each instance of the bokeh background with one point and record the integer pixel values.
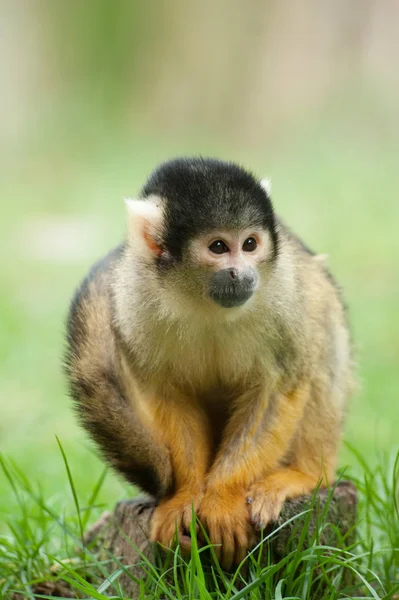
(94, 94)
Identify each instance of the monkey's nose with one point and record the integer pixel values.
(233, 273)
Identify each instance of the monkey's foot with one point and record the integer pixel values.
(173, 516)
(267, 496)
(225, 518)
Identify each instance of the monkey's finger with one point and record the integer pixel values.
(252, 538)
(169, 535)
(216, 541)
(228, 550)
(259, 514)
(268, 511)
(155, 533)
(259, 523)
(185, 544)
(240, 553)
(241, 545)
(202, 534)
(186, 522)
(254, 518)
(276, 507)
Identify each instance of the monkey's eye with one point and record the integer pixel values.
(218, 247)
(249, 245)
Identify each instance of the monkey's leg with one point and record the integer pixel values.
(256, 439)
(311, 460)
(185, 430)
(124, 439)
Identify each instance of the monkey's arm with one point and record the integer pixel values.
(185, 430)
(256, 438)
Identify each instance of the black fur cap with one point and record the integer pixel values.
(203, 194)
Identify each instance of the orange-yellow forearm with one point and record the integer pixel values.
(257, 437)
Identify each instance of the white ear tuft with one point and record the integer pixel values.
(267, 186)
(145, 221)
(142, 209)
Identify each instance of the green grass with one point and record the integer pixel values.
(335, 182)
(45, 542)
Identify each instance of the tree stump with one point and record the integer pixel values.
(125, 533)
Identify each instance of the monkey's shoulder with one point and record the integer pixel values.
(99, 276)
(90, 307)
(311, 265)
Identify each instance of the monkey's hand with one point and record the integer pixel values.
(174, 515)
(267, 496)
(224, 515)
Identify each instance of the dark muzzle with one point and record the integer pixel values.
(231, 287)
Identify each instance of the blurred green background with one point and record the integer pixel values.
(94, 94)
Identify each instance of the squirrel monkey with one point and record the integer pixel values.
(209, 356)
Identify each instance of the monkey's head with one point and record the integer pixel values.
(207, 230)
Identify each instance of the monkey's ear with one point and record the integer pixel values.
(144, 220)
(267, 186)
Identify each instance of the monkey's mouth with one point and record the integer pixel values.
(231, 289)
(233, 297)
